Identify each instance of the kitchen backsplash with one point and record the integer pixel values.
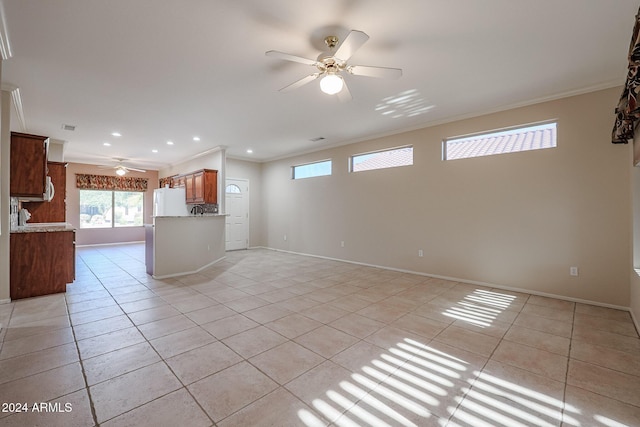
(210, 208)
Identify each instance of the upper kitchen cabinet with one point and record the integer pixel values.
(202, 187)
(56, 209)
(178, 181)
(28, 165)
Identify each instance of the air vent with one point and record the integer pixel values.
(320, 138)
(69, 127)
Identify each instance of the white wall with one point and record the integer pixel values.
(210, 160)
(635, 277)
(516, 220)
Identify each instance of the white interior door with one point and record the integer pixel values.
(237, 221)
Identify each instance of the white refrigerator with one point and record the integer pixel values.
(170, 202)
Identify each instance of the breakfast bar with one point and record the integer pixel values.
(181, 245)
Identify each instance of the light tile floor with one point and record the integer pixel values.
(268, 338)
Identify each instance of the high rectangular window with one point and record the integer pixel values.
(500, 142)
(310, 170)
(402, 156)
(108, 209)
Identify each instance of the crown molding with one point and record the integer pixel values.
(5, 47)
(16, 100)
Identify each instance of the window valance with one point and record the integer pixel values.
(628, 109)
(103, 182)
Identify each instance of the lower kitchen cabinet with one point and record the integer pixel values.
(42, 262)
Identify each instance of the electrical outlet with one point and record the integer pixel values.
(420, 253)
(285, 237)
(208, 247)
(573, 271)
(342, 244)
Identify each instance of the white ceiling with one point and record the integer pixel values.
(174, 69)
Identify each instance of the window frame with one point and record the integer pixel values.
(384, 150)
(497, 132)
(113, 206)
(293, 169)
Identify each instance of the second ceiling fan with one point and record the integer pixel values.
(331, 64)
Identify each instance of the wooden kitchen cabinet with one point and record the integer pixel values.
(28, 165)
(178, 181)
(56, 209)
(189, 189)
(201, 187)
(42, 263)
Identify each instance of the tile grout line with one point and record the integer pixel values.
(84, 374)
(566, 374)
(158, 354)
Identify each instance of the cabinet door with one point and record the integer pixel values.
(189, 189)
(56, 209)
(28, 165)
(198, 187)
(211, 186)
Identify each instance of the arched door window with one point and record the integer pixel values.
(232, 188)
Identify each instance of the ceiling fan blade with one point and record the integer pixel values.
(380, 72)
(289, 57)
(344, 95)
(134, 169)
(303, 81)
(105, 167)
(354, 40)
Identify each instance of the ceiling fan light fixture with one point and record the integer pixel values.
(120, 171)
(331, 84)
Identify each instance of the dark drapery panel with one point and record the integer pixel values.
(103, 182)
(628, 109)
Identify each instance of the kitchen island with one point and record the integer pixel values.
(181, 245)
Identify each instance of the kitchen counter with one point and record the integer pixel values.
(192, 216)
(43, 227)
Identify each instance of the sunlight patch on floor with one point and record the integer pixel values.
(480, 307)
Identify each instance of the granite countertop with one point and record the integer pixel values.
(43, 227)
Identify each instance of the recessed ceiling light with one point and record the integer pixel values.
(116, 134)
(196, 138)
(154, 151)
(169, 142)
(106, 144)
(249, 151)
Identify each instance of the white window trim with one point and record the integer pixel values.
(293, 169)
(379, 151)
(497, 132)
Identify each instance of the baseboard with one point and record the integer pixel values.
(470, 282)
(635, 321)
(5, 301)
(95, 245)
(186, 273)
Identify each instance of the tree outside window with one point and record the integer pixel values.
(108, 209)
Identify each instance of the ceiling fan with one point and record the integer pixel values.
(120, 168)
(331, 64)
